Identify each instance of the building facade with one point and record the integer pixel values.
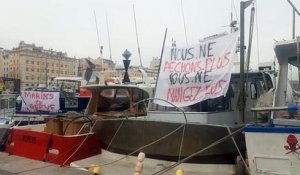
(35, 65)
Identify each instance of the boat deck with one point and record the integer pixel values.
(150, 166)
(10, 164)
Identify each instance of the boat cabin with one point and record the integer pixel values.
(116, 100)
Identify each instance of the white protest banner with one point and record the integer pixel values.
(34, 101)
(189, 75)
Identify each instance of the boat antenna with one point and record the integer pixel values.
(294, 14)
(110, 57)
(233, 23)
(137, 38)
(257, 39)
(100, 47)
(250, 40)
(182, 12)
(233, 6)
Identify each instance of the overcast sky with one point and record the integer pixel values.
(69, 25)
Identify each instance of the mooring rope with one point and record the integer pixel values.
(200, 151)
(237, 148)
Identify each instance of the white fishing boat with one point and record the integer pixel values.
(172, 133)
(274, 148)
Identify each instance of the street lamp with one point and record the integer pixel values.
(126, 54)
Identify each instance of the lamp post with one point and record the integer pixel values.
(126, 54)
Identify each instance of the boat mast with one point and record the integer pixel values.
(100, 47)
(110, 57)
(243, 6)
(182, 12)
(137, 38)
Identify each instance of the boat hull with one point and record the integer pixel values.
(52, 148)
(271, 150)
(126, 136)
(4, 129)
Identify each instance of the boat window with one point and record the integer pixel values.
(253, 91)
(109, 93)
(4, 103)
(11, 103)
(113, 99)
(139, 95)
(4, 121)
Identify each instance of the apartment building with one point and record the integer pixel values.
(35, 65)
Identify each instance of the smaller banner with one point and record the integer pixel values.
(35, 101)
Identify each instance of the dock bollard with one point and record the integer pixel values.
(139, 165)
(95, 170)
(179, 172)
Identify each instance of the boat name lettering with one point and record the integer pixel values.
(29, 139)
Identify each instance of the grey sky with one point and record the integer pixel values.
(69, 25)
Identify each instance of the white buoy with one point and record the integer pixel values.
(141, 157)
(139, 164)
(139, 167)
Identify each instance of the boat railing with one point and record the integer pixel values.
(144, 101)
(286, 115)
(7, 112)
(19, 118)
(85, 125)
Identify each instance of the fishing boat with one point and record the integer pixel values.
(124, 125)
(274, 148)
(128, 122)
(7, 108)
(49, 125)
(61, 140)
